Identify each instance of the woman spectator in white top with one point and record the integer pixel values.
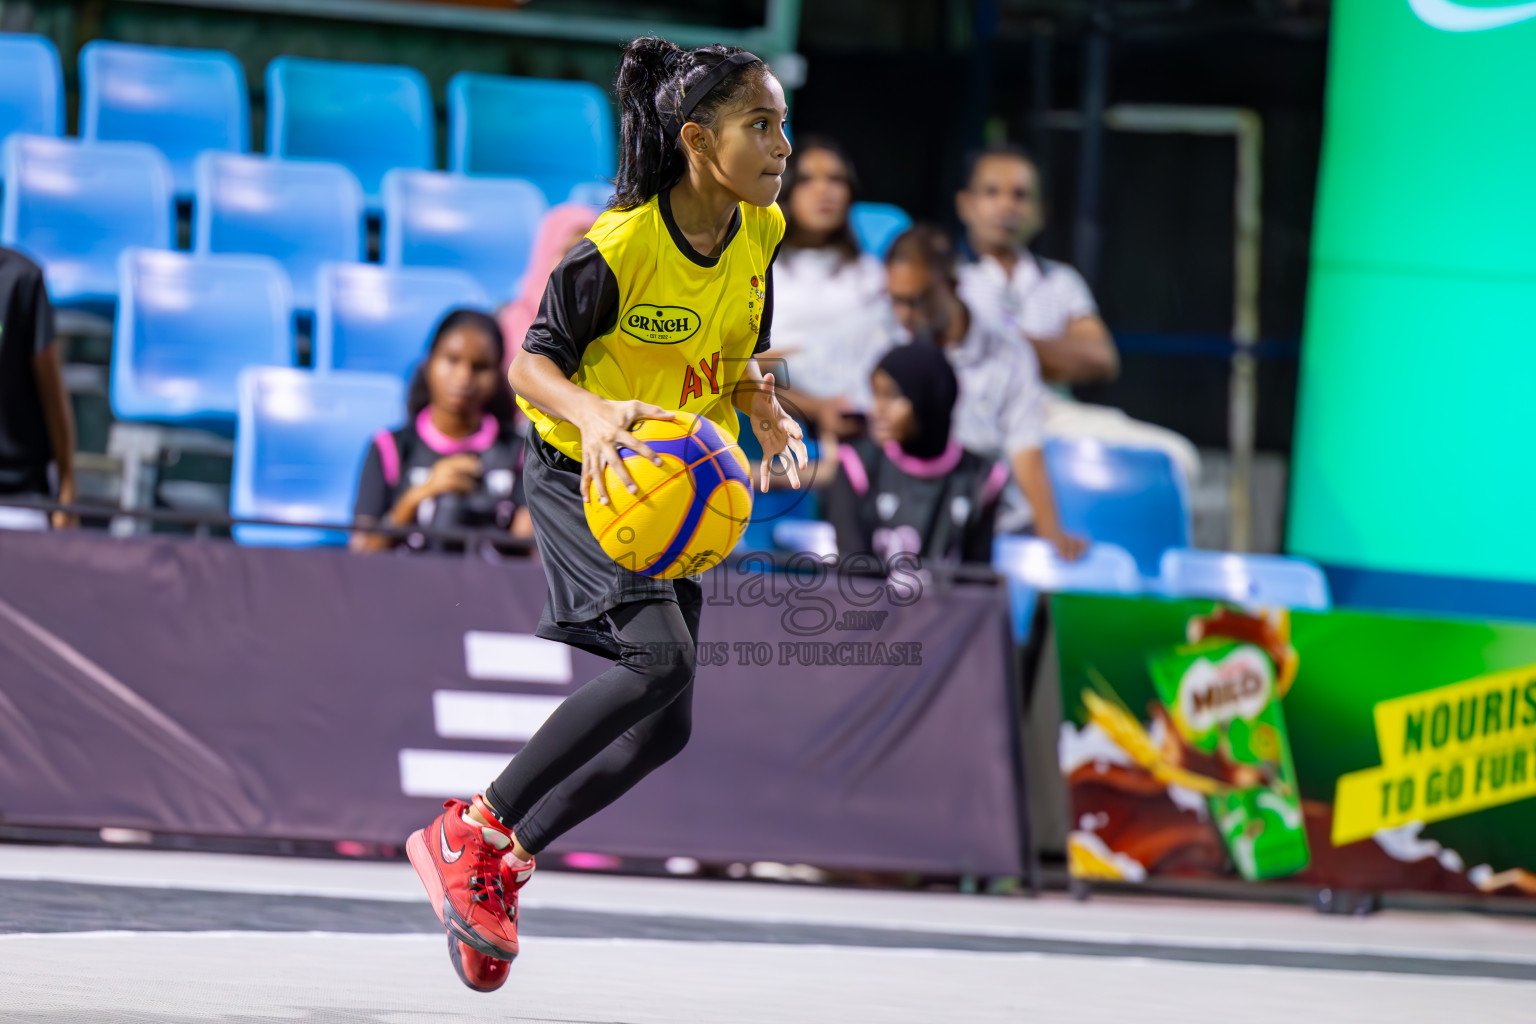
(1046, 303)
(831, 322)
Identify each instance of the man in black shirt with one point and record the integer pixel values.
(36, 424)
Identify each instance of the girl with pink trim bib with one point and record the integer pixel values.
(458, 460)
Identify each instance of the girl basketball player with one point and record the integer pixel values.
(661, 306)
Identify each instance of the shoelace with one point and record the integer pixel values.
(509, 900)
(485, 883)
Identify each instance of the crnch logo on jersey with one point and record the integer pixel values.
(660, 325)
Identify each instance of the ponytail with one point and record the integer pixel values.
(654, 75)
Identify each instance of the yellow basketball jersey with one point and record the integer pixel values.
(634, 312)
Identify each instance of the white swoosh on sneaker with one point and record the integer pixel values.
(449, 856)
(1450, 16)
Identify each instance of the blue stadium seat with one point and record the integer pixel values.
(556, 134)
(485, 226)
(302, 213)
(591, 193)
(876, 226)
(778, 507)
(186, 327)
(31, 86)
(809, 536)
(1272, 580)
(75, 207)
(1104, 569)
(772, 510)
(180, 101)
(1030, 565)
(1132, 497)
(368, 117)
(379, 319)
(299, 449)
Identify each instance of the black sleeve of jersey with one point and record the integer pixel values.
(766, 325)
(34, 298)
(372, 492)
(580, 303)
(844, 509)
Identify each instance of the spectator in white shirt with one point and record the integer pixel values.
(1044, 302)
(831, 323)
(1000, 411)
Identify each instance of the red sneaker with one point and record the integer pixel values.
(480, 972)
(475, 969)
(462, 872)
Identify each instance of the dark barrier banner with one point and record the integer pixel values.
(205, 688)
(1340, 749)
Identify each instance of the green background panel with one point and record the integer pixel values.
(1415, 414)
(1416, 447)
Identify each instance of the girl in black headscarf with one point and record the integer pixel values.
(909, 487)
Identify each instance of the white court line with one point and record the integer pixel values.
(235, 873)
(663, 982)
(436, 941)
(234, 888)
(1126, 922)
(1102, 938)
(1106, 939)
(117, 933)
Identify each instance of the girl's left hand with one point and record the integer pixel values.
(778, 433)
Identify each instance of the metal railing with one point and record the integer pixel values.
(203, 522)
(478, 540)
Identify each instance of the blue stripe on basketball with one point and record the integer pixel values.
(677, 447)
(706, 477)
(731, 468)
(703, 449)
(685, 448)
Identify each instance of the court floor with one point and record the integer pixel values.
(117, 935)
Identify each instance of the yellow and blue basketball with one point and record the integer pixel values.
(687, 513)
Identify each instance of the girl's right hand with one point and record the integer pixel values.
(603, 430)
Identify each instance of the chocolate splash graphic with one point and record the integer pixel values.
(1132, 814)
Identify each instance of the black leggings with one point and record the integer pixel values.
(609, 734)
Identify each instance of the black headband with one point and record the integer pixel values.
(704, 86)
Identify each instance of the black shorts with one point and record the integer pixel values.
(584, 583)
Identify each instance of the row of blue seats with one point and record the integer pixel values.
(1133, 504)
(1108, 568)
(1031, 567)
(187, 325)
(76, 206)
(1133, 498)
(300, 436)
(299, 448)
(369, 118)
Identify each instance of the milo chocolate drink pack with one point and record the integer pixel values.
(1221, 696)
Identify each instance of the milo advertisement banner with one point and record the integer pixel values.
(1340, 749)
